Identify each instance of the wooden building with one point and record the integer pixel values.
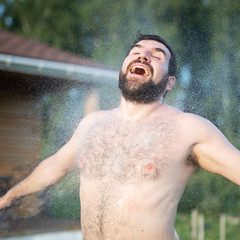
(28, 71)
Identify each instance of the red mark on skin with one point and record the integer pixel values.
(142, 230)
(149, 167)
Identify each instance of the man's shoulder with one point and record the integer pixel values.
(196, 125)
(93, 118)
(185, 117)
(191, 118)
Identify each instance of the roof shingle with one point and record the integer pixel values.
(16, 45)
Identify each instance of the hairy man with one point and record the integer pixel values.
(136, 160)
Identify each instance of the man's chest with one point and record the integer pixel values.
(128, 151)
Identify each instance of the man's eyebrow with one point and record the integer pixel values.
(160, 50)
(154, 49)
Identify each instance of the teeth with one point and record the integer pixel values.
(135, 67)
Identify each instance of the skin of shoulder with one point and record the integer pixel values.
(213, 151)
(90, 120)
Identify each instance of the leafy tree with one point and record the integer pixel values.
(55, 22)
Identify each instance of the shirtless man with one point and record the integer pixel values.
(136, 160)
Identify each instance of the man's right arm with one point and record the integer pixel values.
(48, 172)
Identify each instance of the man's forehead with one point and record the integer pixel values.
(152, 44)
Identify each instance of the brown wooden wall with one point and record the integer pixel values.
(20, 139)
(19, 132)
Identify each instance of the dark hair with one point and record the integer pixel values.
(172, 66)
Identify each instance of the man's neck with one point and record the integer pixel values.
(133, 112)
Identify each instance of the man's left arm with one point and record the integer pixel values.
(215, 153)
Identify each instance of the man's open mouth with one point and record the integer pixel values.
(140, 70)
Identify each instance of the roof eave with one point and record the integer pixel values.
(58, 70)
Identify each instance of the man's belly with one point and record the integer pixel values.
(113, 211)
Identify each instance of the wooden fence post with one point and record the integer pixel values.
(194, 221)
(222, 227)
(201, 227)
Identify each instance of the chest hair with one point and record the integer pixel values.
(126, 151)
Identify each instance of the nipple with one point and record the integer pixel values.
(149, 167)
(149, 171)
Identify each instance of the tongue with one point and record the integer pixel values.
(139, 71)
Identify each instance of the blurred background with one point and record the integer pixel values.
(205, 35)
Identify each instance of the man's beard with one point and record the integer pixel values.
(145, 93)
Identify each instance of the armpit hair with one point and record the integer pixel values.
(192, 159)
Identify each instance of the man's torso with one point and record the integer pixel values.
(132, 177)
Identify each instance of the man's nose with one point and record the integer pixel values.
(144, 56)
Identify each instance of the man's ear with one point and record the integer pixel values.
(171, 82)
